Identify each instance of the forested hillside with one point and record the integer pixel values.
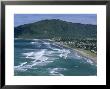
(55, 28)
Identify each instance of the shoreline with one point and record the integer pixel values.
(84, 54)
(80, 52)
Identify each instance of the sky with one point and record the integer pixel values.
(20, 19)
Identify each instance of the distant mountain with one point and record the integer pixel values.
(55, 28)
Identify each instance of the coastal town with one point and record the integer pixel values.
(86, 44)
(86, 47)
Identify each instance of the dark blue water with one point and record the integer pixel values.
(42, 57)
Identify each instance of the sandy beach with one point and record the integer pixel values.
(81, 52)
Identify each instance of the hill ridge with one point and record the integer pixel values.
(50, 28)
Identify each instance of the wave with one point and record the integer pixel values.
(42, 58)
(34, 42)
(28, 55)
(56, 71)
(39, 59)
(64, 53)
(19, 67)
(77, 56)
(48, 52)
(40, 44)
(88, 61)
(47, 44)
(18, 38)
(29, 49)
(44, 54)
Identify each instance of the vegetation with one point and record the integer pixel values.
(75, 35)
(86, 44)
(56, 28)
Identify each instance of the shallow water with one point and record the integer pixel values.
(41, 57)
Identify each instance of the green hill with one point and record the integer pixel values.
(55, 28)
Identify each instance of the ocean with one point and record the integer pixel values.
(42, 57)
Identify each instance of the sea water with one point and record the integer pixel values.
(42, 57)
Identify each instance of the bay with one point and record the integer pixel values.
(43, 57)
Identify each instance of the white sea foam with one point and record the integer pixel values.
(64, 53)
(59, 52)
(49, 52)
(39, 59)
(19, 67)
(28, 55)
(34, 55)
(29, 49)
(56, 71)
(55, 49)
(43, 57)
(43, 63)
(89, 61)
(33, 42)
(76, 56)
(47, 44)
(61, 55)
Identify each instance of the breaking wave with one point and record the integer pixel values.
(44, 53)
(56, 71)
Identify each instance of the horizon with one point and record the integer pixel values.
(21, 19)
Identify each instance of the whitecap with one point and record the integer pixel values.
(28, 55)
(29, 49)
(19, 67)
(47, 44)
(33, 42)
(64, 53)
(17, 38)
(89, 61)
(39, 58)
(76, 56)
(56, 71)
(21, 64)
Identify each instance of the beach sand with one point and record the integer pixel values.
(81, 52)
(87, 55)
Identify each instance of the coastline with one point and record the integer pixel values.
(84, 54)
(80, 52)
